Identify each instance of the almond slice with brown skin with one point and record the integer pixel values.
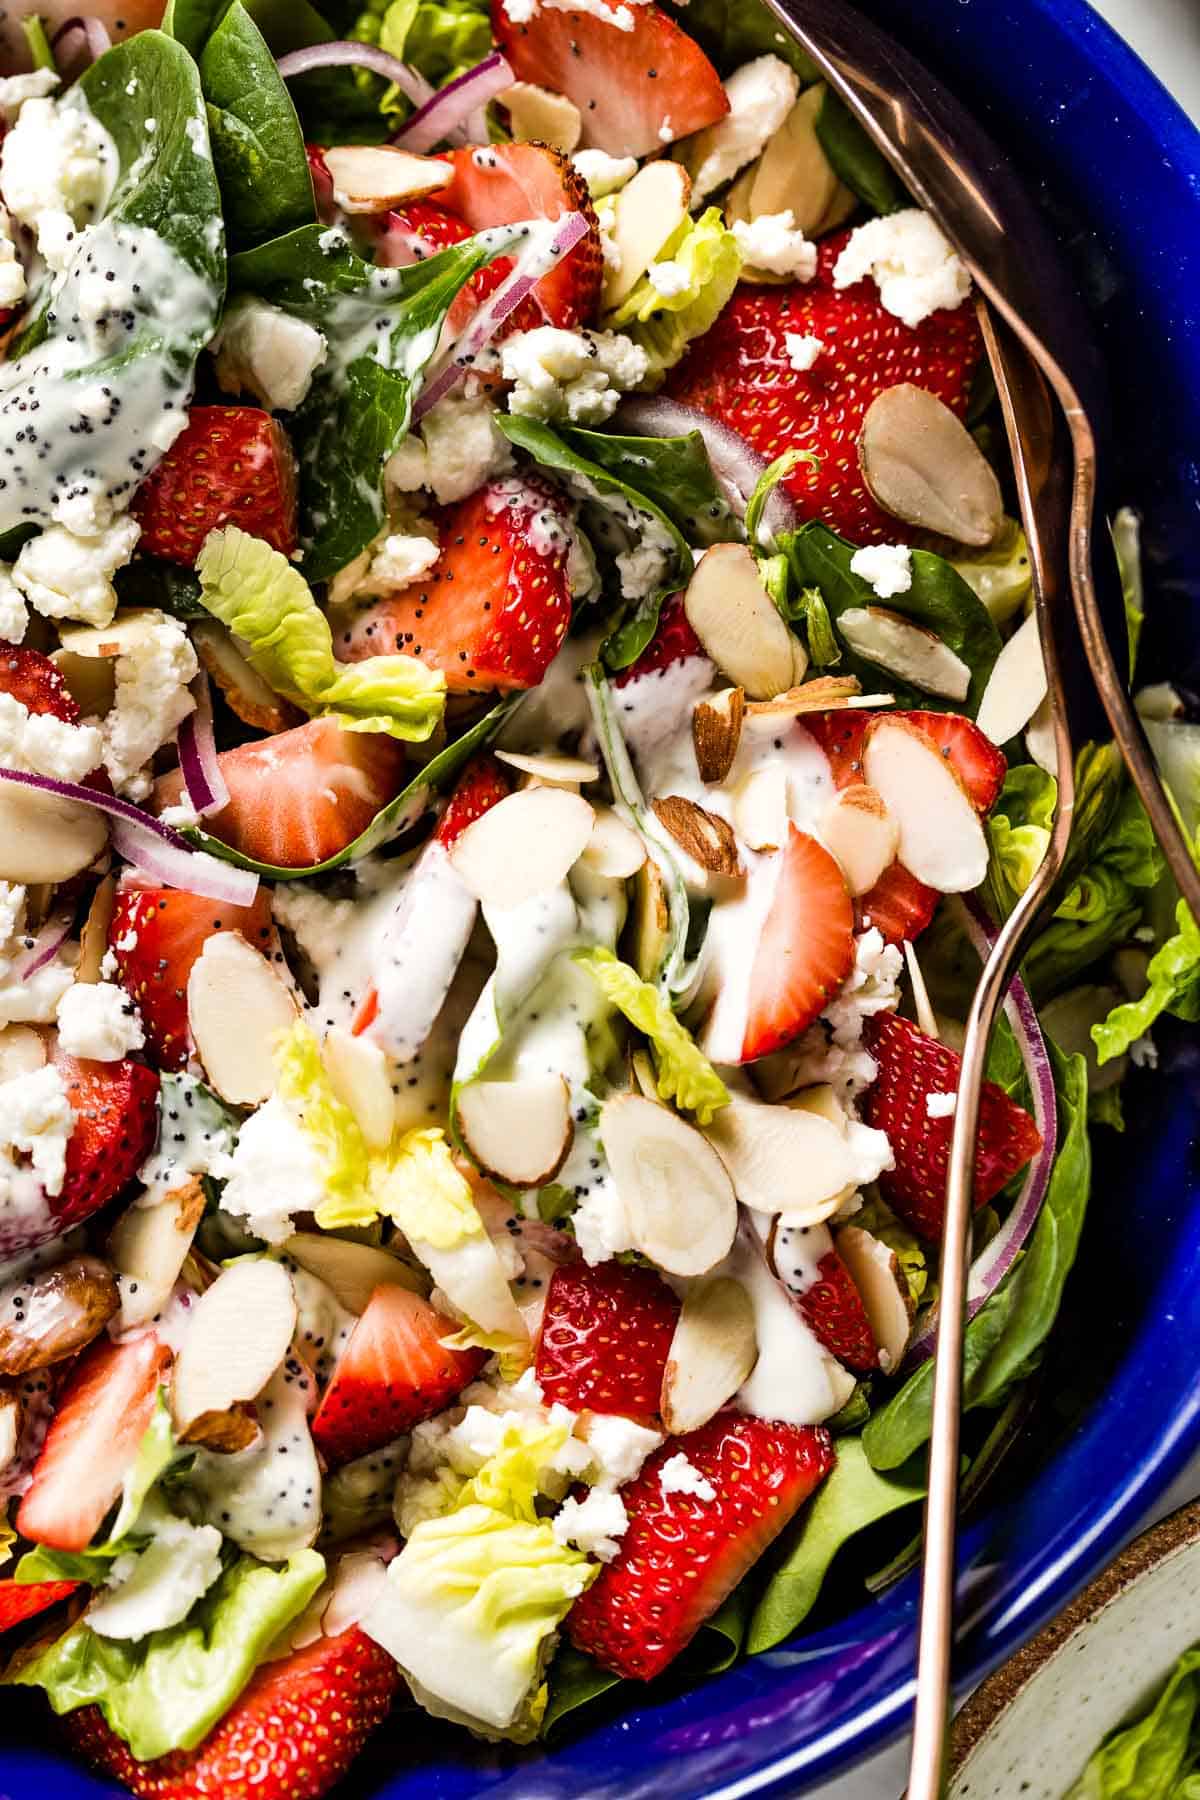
(148, 1247)
(760, 807)
(548, 767)
(646, 212)
(523, 845)
(704, 836)
(10, 1428)
(825, 694)
(350, 1271)
(921, 464)
(358, 1074)
(942, 841)
(1016, 686)
(370, 178)
(860, 834)
(780, 1158)
(717, 732)
(237, 1006)
(22, 1051)
(49, 1315)
(537, 116)
(517, 1132)
(738, 623)
(649, 921)
(876, 1272)
(909, 651)
(243, 689)
(238, 1334)
(677, 1196)
(93, 939)
(223, 1432)
(713, 1350)
(926, 1017)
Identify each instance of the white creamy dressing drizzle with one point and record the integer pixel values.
(418, 950)
(794, 1379)
(266, 1498)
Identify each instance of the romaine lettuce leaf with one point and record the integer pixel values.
(1172, 985)
(167, 1692)
(685, 1074)
(440, 39)
(1001, 574)
(426, 1195)
(1154, 1758)
(303, 1082)
(266, 603)
(664, 324)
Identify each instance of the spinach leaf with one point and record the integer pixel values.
(192, 22)
(939, 599)
(383, 327)
(732, 31)
(618, 516)
(856, 161)
(336, 106)
(398, 816)
(575, 1680)
(674, 472)
(853, 1497)
(149, 581)
(258, 146)
(1003, 1341)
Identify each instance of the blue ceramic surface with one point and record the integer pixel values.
(1120, 166)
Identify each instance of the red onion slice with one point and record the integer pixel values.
(535, 260)
(139, 836)
(452, 106)
(736, 465)
(77, 44)
(346, 53)
(53, 934)
(202, 777)
(997, 1258)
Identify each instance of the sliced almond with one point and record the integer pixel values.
(647, 211)
(614, 848)
(238, 1334)
(713, 1350)
(704, 836)
(130, 630)
(1040, 740)
(782, 1158)
(860, 833)
(650, 921)
(536, 116)
(370, 178)
(824, 694)
(358, 1073)
(148, 1246)
(237, 1006)
(224, 1432)
(642, 1070)
(760, 807)
(794, 175)
(738, 623)
(350, 1271)
(1016, 686)
(922, 465)
(93, 939)
(48, 1315)
(245, 692)
(91, 681)
(45, 838)
(22, 1051)
(876, 1272)
(358, 1582)
(717, 732)
(519, 1131)
(941, 839)
(554, 770)
(926, 1017)
(678, 1198)
(523, 845)
(10, 1428)
(904, 649)
(822, 1100)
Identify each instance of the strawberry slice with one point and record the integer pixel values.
(21, 1600)
(673, 642)
(829, 1304)
(504, 184)
(911, 1067)
(636, 89)
(291, 1734)
(605, 1336)
(494, 609)
(976, 761)
(681, 1555)
(33, 679)
(101, 1417)
(302, 795)
(231, 465)
(393, 1372)
(422, 228)
(899, 906)
(740, 373)
(156, 935)
(840, 735)
(481, 785)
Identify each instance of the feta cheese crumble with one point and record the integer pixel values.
(802, 350)
(15, 90)
(617, 1448)
(596, 1524)
(36, 1121)
(572, 375)
(28, 1000)
(68, 575)
(151, 698)
(761, 94)
(57, 165)
(264, 351)
(274, 1172)
(14, 614)
(679, 1476)
(941, 1106)
(155, 1588)
(668, 278)
(886, 567)
(41, 744)
(914, 266)
(462, 446)
(771, 243)
(98, 1020)
(603, 173)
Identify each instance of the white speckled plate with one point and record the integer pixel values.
(1028, 1731)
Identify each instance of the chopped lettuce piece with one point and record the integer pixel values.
(877, 1217)
(1019, 833)
(304, 1084)
(708, 261)
(266, 603)
(426, 1195)
(685, 1074)
(1125, 530)
(1000, 574)
(1172, 985)
(440, 39)
(168, 1691)
(1156, 1754)
(8, 1537)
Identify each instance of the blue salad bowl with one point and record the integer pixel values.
(1117, 1410)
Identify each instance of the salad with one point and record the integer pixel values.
(520, 717)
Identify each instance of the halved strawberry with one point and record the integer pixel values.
(291, 1734)
(393, 1372)
(840, 735)
(21, 1600)
(673, 642)
(636, 89)
(156, 935)
(302, 795)
(494, 609)
(482, 783)
(33, 679)
(740, 373)
(681, 1555)
(102, 1414)
(605, 1336)
(911, 1067)
(504, 184)
(231, 465)
(830, 1305)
